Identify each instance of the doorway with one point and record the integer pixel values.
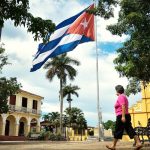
(7, 127)
(21, 129)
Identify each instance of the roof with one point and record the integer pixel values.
(29, 93)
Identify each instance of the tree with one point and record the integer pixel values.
(109, 125)
(133, 86)
(133, 57)
(81, 124)
(72, 114)
(68, 90)
(104, 8)
(7, 86)
(76, 119)
(54, 118)
(60, 66)
(45, 117)
(18, 11)
(3, 58)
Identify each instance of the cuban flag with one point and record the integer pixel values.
(68, 34)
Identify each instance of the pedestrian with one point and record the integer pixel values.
(123, 120)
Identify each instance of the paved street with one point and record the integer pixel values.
(47, 145)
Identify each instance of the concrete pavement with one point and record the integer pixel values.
(48, 145)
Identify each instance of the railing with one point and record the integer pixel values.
(14, 108)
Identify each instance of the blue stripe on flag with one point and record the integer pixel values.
(69, 20)
(68, 47)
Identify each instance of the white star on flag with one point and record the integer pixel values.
(84, 23)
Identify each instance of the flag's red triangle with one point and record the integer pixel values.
(83, 25)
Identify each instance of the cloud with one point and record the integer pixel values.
(11, 32)
(103, 35)
(50, 107)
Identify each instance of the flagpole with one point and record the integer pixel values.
(99, 113)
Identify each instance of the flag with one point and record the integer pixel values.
(68, 34)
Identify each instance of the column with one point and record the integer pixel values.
(16, 129)
(17, 126)
(38, 126)
(27, 130)
(4, 116)
(28, 127)
(3, 128)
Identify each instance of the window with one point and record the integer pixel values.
(12, 100)
(24, 102)
(34, 106)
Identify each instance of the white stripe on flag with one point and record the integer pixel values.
(65, 40)
(58, 33)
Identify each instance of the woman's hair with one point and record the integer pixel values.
(119, 89)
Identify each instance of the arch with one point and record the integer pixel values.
(10, 126)
(33, 125)
(22, 126)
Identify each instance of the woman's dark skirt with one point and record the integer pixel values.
(120, 127)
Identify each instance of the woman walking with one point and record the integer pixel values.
(123, 120)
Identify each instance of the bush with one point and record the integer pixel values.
(56, 137)
(44, 135)
(47, 135)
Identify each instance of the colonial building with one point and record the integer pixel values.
(23, 116)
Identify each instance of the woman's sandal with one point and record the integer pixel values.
(138, 147)
(107, 146)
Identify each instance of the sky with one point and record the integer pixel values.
(20, 48)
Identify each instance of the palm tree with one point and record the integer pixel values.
(60, 66)
(73, 114)
(76, 119)
(45, 117)
(81, 124)
(68, 90)
(54, 118)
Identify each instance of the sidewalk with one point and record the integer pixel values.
(48, 145)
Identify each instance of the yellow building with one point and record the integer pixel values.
(140, 112)
(76, 135)
(23, 116)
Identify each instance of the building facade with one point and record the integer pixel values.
(140, 112)
(23, 116)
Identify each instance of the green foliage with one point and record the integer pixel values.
(104, 8)
(54, 118)
(56, 137)
(69, 89)
(3, 58)
(44, 135)
(61, 66)
(133, 87)
(133, 59)
(50, 136)
(7, 86)
(109, 125)
(76, 118)
(18, 12)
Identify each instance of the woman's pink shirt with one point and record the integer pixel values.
(122, 100)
